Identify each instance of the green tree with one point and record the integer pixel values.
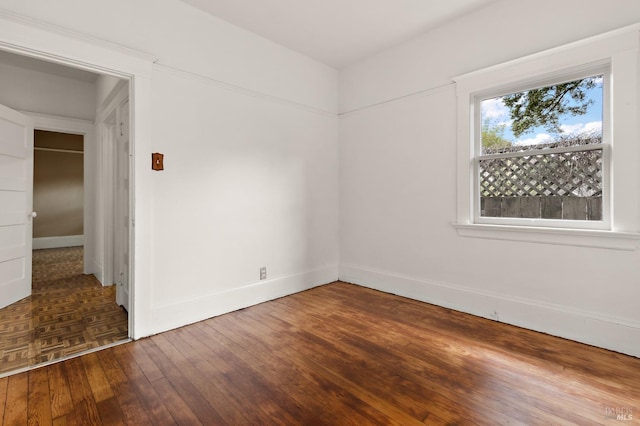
(493, 135)
(544, 106)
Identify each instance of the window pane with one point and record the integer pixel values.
(552, 186)
(564, 114)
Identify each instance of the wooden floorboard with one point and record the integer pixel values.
(334, 355)
(67, 313)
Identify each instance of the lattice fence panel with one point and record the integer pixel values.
(573, 174)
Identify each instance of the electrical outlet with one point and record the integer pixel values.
(263, 273)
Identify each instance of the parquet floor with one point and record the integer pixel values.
(67, 313)
(334, 355)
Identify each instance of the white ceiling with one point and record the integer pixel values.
(337, 32)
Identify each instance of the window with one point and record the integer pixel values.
(541, 156)
(548, 146)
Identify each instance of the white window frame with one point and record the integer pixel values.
(569, 75)
(613, 54)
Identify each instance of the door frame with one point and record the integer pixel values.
(105, 131)
(52, 123)
(28, 37)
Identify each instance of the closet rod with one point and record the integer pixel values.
(68, 151)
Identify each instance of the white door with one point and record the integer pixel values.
(121, 207)
(16, 203)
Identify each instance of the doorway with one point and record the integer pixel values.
(97, 257)
(58, 189)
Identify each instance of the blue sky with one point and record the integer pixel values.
(494, 110)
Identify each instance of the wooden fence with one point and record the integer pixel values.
(543, 207)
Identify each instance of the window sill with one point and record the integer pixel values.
(567, 237)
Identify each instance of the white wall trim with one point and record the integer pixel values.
(52, 28)
(606, 331)
(190, 311)
(56, 123)
(424, 92)
(241, 90)
(628, 241)
(30, 37)
(57, 242)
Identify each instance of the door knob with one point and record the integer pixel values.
(33, 214)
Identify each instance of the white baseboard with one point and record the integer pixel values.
(617, 334)
(57, 242)
(179, 314)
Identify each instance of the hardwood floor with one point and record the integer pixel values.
(67, 313)
(336, 355)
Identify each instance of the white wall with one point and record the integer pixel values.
(27, 90)
(499, 32)
(250, 137)
(247, 183)
(398, 184)
(183, 37)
